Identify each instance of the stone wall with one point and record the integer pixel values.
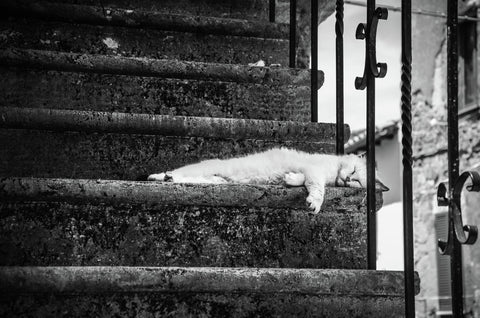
(325, 9)
(430, 153)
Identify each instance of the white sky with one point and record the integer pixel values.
(388, 51)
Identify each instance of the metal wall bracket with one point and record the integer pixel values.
(464, 234)
(369, 32)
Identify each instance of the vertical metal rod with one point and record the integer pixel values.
(339, 76)
(293, 34)
(453, 161)
(406, 101)
(314, 57)
(271, 11)
(371, 200)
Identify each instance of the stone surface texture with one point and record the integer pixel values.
(88, 222)
(140, 94)
(325, 293)
(30, 153)
(133, 42)
(245, 9)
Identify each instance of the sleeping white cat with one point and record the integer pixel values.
(278, 166)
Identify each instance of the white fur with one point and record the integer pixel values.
(277, 166)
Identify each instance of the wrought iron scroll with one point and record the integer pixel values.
(464, 234)
(456, 182)
(369, 32)
(372, 69)
(340, 142)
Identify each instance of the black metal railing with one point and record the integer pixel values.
(340, 137)
(458, 233)
(368, 32)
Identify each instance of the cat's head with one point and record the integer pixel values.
(353, 173)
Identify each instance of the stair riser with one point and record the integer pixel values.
(133, 42)
(245, 9)
(118, 156)
(136, 235)
(87, 91)
(204, 305)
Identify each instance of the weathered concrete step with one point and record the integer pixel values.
(245, 9)
(134, 94)
(152, 86)
(104, 15)
(182, 126)
(84, 144)
(38, 34)
(118, 65)
(209, 292)
(95, 222)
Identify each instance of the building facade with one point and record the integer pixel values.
(430, 152)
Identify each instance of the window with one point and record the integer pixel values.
(468, 78)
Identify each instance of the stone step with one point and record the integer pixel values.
(255, 10)
(34, 78)
(49, 35)
(200, 291)
(118, 65)
(105, 222)
(134, 17)
(89, 144)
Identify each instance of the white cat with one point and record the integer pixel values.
(278, 166)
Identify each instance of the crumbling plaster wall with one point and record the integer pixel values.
(430, 165)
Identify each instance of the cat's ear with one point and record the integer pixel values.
(379, 185)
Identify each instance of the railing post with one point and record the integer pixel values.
(271, 11)
(314, 57)
(453, 162)
(340, 141)
(406, 101)
(371, 199)
(368, 32)
(293, 34)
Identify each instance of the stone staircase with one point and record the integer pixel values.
(95, 95)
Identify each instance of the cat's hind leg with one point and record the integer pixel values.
(172, 176)
(294, 179)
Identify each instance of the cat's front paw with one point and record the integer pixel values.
(315, 202)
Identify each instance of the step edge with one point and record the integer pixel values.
(157, 194)
(166, 125)
(147, 67)
(123, 279)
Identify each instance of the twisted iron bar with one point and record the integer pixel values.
(463, 234)
(406, 102)
(363, 31)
